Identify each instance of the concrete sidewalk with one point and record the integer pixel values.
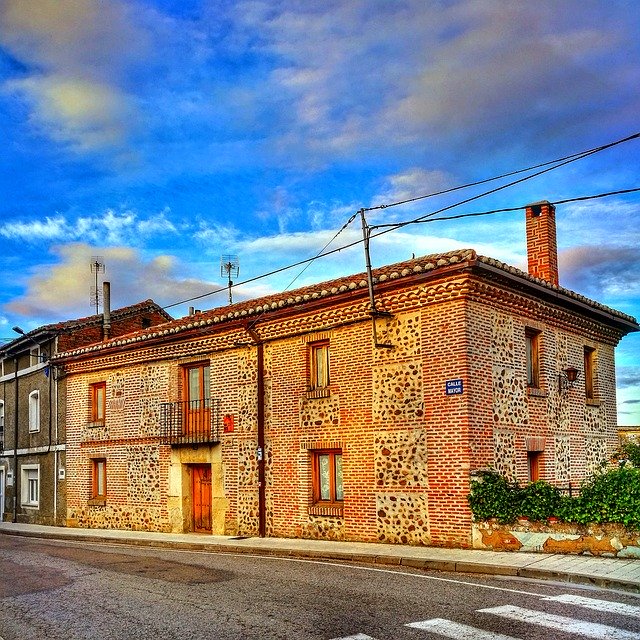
(612, 573)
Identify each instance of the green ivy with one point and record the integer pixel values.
(608, 496)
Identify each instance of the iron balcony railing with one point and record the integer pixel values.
(191, 422)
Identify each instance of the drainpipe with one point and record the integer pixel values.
(260, 454)
(15, 447)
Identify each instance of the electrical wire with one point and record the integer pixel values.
(505, 210)
(573, 156)
(514, 182)
(394, 227)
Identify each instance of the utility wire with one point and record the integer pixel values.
(514, 182)
(321, 252)
(394, 227)
(573, 156)
(506, 210)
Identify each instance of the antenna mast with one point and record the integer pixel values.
(229, 266)
(97, 266)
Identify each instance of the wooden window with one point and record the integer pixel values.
(196, 390)
(319, 365)
(34, 411)
(532, 337)
(589, 373)
(98, 403)
(533, 459)
(99, 478)
(197, 387)
(327, 476)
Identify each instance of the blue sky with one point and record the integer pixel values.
(162, 134)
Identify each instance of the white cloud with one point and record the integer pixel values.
(114, 228)
(76, 54)
(62, 290)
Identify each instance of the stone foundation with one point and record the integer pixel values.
(610, 540)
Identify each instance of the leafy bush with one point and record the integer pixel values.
(493, 496)
(539, 500)
(629, 450)
(608, 496)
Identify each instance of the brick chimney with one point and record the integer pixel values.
(542, 247)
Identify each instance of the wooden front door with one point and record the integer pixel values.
(201, 497)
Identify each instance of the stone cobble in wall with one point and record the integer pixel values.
(402, 518)
(504, 443)
(398, 393)
(143, 474)
(317, 413)
(562, 450)
(400, 458)
(323, 528)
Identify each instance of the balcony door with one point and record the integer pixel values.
(197, 417)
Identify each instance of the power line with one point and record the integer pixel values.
(505, 210)
(514, 182)
(306, 261)
(573, 156)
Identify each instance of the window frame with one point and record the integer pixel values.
(98, 478)
(97, 405)
(34, 411)
(319, 376)
(590, 373)
(203, 383)
(533, 339)
(27, 486)
(34, 356)
(534, 465)
(335, 488)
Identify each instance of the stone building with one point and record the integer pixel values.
(305, 415)
(32, 409)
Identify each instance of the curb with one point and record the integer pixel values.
(346, 556)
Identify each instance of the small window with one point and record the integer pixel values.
(34, 356)
(99, 478)
(319, 369)
(34, 411)
(327, 476)
(533, 458)
(98, 402)
(533, 357)
(30, 486)
(589, 373)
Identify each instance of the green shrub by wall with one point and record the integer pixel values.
(608, 496)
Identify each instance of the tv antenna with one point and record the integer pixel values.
(97, 266)
(229, 267)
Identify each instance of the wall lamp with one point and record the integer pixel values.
(567, 378)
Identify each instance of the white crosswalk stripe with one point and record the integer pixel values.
(605, 606)
(562, 623)
(358, 636)
(450, 629)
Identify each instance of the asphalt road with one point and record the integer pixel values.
(69, 590)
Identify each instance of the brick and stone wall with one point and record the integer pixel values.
(408, 448)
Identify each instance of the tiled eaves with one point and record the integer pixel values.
(254, 308)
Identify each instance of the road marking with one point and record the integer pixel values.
(358, 636)
(450, 629)
(597, 605)
(562, 623)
